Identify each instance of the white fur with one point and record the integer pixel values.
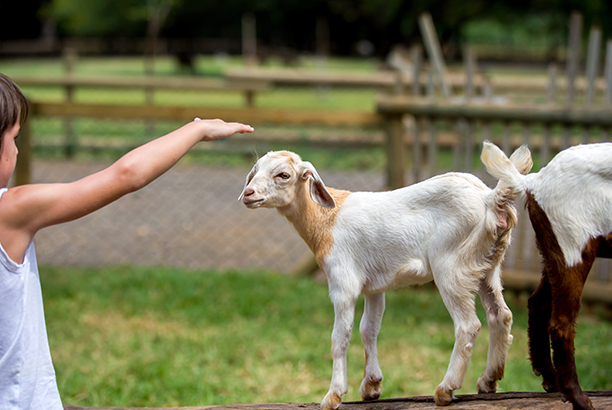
(452, 229)
(574, 190)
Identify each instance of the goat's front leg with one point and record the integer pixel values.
(371, 386)
(344, 308)
(499, 318)
(460, 304)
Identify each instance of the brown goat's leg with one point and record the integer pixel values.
(539, 342)
(566, 295)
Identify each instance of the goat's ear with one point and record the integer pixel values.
(318, 190)
(249, 178)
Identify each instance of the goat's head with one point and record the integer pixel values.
(277, 177)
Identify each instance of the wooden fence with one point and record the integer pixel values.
(406, 146)
(461, 128)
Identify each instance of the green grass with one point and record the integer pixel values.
(128, 336)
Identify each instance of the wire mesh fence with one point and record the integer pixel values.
(190, 217)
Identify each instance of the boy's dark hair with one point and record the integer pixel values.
(13, 104)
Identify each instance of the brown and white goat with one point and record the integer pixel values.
(451, 229)
(570, 206)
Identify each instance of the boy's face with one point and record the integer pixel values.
(8, 154)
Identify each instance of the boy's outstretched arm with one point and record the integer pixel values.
(29, 208)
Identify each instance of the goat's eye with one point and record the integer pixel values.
(284, 175)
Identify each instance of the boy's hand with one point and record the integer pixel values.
(218, 129)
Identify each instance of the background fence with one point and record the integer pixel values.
(424, 122)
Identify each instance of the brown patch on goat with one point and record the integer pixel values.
(315, 223)
(554, 306)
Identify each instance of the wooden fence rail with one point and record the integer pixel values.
(148, 84)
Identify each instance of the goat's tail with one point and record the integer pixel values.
(510, 173)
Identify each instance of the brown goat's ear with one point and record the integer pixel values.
(318, 191)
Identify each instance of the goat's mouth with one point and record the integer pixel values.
(252, 203)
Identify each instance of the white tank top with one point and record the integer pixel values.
(27, 378)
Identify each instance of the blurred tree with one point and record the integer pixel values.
(292, 23)
(21, 19)
(100, 17)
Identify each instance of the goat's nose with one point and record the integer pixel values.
(249, 192)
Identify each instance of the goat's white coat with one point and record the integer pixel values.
(574, 190)
(451, 228)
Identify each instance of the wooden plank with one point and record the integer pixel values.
(177, 113)
(145, 82)
(428, 32)
(385, 80)
(490, 401)
(510, 112)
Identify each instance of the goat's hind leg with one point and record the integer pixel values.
(371, 386)
(567, 296)
(499, 319)
(459, 302)
(540, 309)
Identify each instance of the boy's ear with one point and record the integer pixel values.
(318, 191)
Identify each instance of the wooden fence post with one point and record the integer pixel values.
(396, 151)
(416, 57)
(573, 55)
(24, 145)
(249, 39)
(432, 44)
(608, 75)
(70, 57)
(592, 67)
(470, 68)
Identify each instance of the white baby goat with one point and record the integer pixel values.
(451, 229)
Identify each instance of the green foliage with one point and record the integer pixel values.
(98, 18)
(138, 336)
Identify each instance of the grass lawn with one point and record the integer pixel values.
(128, 336)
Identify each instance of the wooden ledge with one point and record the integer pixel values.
(494, 401)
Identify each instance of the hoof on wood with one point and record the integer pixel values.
(371, 389)
(486, 387)
(581, 402)
(443, 397)
(331, 401)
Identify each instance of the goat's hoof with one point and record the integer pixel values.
(489, 386)
(581, 402)
(550, 387)
(486, 387)
(371, 388)
(331, 401)
(443, 397)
